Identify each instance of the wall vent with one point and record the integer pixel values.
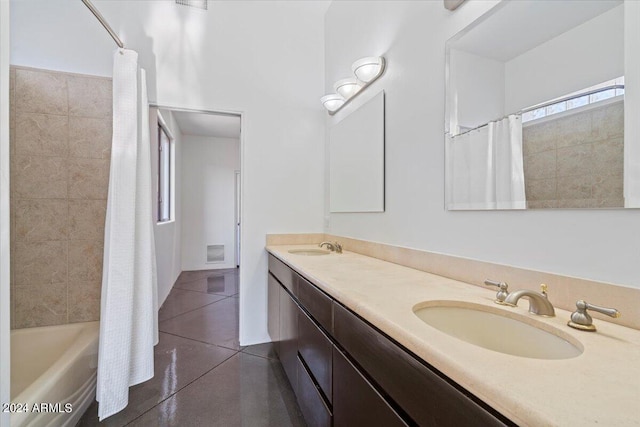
(215, 253)
(199, 4)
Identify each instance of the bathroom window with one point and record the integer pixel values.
(165, 172)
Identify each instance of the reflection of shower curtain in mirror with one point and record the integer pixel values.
(485, 167)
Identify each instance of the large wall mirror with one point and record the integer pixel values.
(535, 108)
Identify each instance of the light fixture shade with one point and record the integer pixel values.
(367, 69)
(332, 102)
(347, 87)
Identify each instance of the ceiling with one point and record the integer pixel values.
(513, 28)
(208, 124)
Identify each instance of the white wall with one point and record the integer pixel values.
(208, 199)
(477, 89)
(5, 351)
(168, 235)
(588, 54)
(595, 244)
(263, 59)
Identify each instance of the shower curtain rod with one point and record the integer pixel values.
(104, 23)
(546, 104)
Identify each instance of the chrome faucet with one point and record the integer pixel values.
(538, 302)
(335, 246)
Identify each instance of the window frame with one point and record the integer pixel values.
(165, 154)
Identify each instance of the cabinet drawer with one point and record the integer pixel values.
(315, 412)
(284, 274)
(288, 345)
(426, 396)
(356, 402)
(315, 349)
(316, 302)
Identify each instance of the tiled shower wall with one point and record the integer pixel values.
(60, 152)
(576, 160)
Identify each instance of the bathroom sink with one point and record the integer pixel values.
(309, 252)
(498, 330)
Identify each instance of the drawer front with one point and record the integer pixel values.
(315, 348)
(316, 302)
(283, 273)
(425, 396)
(315, 412)
(288, 345)
(356, 402)
(273, 306)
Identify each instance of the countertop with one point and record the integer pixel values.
(599, 387)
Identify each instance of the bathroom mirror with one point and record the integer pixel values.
(356, 159)
(535, 108)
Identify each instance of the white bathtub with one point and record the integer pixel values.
(53, 365)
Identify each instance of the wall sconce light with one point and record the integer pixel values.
(332, 102)
(366, 70)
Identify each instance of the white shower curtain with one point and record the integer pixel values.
(128, 315)
(485, 167)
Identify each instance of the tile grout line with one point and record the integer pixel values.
(182, 388)
(193, 309)
(202, 342)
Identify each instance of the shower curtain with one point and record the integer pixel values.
(128, 315)
(485, 167)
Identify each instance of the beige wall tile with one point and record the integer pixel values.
(539, 137)
(41, 134)
(41, 219)
(608, 187)
(40, 305)
(540, 189)
(38, 263)
(540, 165)
(36, 177)
(84, 301)
(90, 137)
(41, 92)
(89, 96)
(85, 260)
(86, 219)
(609, 156)
(608, 121)
(574, 129)
(542, 204)
(575, 187)
(577, 203)
(575, 160)
(88, 178)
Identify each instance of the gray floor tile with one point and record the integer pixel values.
(215, 323)
(267, 349)
(180, 301)
(243, 391)
(217, 284)
(178, 361)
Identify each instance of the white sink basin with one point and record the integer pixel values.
(309, 252)
(498, 330)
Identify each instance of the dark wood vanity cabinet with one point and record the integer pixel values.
(346, 373)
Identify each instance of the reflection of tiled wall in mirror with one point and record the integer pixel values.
(60, 154)
(576, 160)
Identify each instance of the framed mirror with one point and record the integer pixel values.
(535, 108)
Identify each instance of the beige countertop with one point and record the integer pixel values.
(599, 387)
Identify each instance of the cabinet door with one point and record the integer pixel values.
(355, 401)
(315, 411)
(288, 346)
(315, 349)
(273, 311)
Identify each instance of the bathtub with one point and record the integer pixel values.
(53, 365)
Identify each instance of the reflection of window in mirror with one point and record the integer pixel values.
(594, 94)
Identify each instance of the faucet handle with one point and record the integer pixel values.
(338, 247)
(580, 319)
(543, 289)
(503, 292)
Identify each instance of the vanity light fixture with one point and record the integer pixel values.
(332, 102)
(347, 87)
(366, 71)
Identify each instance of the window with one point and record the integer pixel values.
(165, 170)
(570, 102)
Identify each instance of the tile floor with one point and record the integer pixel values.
(203, 377)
